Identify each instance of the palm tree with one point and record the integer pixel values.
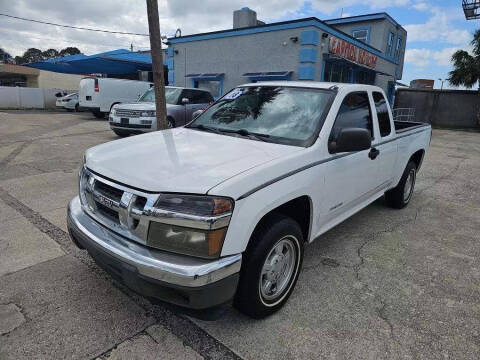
(466, 70)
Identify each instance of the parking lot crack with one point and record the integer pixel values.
(15, 152)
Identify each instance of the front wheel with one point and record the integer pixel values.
(121, 133)
(400, 196)
(270, 267)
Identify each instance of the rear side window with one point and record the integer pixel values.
(197, 97)
(353, 113)
(382, 114)
(203, 97)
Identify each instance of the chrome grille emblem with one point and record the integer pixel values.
(125, 210)
(116, 206)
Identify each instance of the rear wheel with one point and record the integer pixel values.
(270, 267)
(121, 133)
(400, 196)
(98, 114)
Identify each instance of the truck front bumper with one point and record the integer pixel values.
(182, 280)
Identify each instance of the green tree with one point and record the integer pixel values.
(5, 56)
(50, 54)
(466, 66)
(69, 51)
(34, 55)
(29, 56)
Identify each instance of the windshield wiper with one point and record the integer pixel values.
(245, 132)
(206, 128)
(242, 132)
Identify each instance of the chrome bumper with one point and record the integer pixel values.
(154, 265)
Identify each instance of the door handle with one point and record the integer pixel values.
(373, 153)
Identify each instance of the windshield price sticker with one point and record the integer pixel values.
(235, 94)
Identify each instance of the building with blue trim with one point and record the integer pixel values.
(367, 49)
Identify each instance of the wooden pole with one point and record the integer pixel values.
(157, 63)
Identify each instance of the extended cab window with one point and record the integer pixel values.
(382, 114)
(353, 113)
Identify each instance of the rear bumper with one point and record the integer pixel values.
(182, 280)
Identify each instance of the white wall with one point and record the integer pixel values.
(27, 98)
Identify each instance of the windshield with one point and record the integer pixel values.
(285, 115)
(171, 95)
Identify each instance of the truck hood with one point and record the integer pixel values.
(180, 160)
(141, 105)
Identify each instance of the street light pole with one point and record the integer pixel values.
(441, 89)
(157, 63)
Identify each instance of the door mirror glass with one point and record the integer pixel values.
(185, 101)
(351, 139)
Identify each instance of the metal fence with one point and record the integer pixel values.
(404, 114)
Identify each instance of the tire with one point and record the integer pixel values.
(121, 133)
(254, 297)
(400, 196)
(170, 123)
(76, 108)
(98, 114)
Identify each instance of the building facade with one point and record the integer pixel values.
(366, 49)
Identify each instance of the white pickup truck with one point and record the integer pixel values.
(223, 207)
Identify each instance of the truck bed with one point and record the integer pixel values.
(402, 126)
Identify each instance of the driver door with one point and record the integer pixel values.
(193, 103)
(351, 177)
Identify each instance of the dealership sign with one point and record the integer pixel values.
(353, 53)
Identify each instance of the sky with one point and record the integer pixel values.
(436, 28)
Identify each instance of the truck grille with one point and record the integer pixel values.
(128, 113)
(115, 206)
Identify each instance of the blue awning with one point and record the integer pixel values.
(120, 61)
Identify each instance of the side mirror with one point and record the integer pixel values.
(351, 139)
(185, 101)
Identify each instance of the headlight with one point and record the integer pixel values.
(190, 224)
(149, 113)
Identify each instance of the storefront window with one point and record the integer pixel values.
(365, 77)
(337, 72)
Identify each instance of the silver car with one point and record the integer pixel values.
(140, 117)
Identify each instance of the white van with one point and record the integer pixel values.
(98, 95)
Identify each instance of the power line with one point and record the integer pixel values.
(73, 27)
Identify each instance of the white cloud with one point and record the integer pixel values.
(426, 57)
(439, 27)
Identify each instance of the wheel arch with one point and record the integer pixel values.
(417, 158)
(170, 117)
(113, 104)
(299, 209)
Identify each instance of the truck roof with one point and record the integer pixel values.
(313, 85)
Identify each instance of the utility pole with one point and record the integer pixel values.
(157, 63)
(131, 47)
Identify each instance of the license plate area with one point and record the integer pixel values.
(124, 121)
